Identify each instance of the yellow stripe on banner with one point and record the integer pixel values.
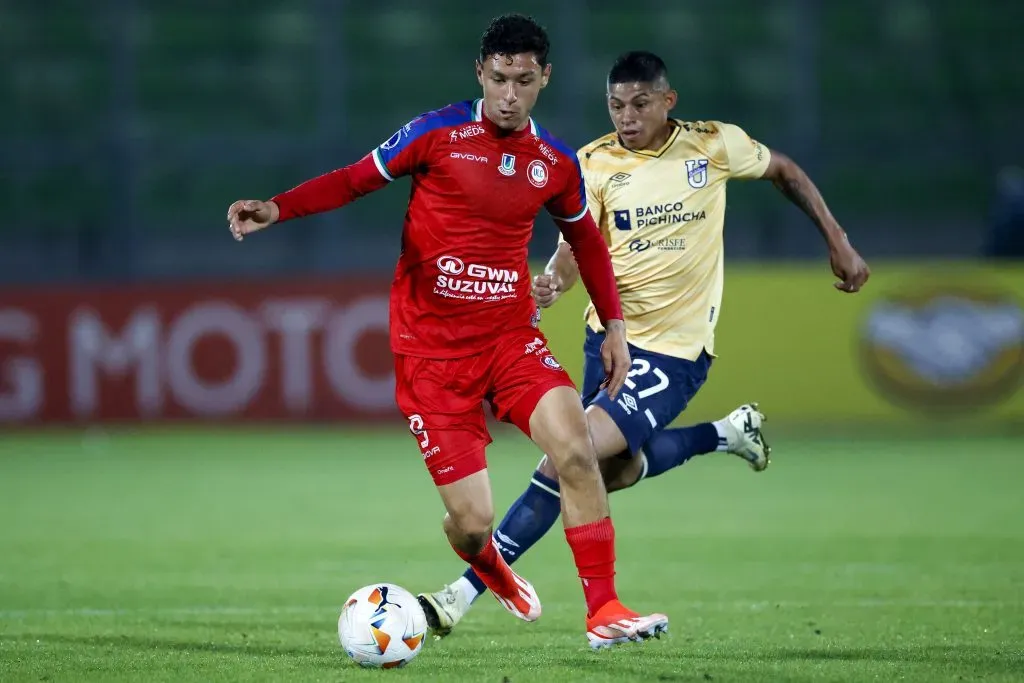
(924, 345)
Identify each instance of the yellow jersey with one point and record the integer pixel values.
(662, 214)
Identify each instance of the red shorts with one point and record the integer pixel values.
(443, 398)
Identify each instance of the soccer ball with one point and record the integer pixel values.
(382, 626)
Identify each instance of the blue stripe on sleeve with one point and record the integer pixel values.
(452, 115)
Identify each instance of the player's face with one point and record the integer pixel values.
(640, 112)
(511, 85)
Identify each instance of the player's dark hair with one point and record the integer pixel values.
(513, 34)
(638, 67)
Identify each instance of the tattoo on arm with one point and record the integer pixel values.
(794, 184)
(797, 192)
(799, 189)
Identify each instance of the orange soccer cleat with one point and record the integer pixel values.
(615, 623)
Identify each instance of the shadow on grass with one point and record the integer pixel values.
(955, 658)
(134, 642)
(963, 660)
(691, 667)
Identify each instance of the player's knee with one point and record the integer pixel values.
(559, 426)
(469, 527)
(577, 460)
(473, 519)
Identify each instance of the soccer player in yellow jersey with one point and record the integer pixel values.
(656, 187)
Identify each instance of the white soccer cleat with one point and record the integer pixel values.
(444, 609)
(744, 438)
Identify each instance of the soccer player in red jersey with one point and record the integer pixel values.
(464, 324)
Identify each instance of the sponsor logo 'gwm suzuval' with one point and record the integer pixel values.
(474, 281)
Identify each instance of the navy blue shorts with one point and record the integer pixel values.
(658, 389)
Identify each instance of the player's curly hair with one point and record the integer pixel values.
(513, 34)
(638, 67)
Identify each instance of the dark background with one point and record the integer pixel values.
(128, 126)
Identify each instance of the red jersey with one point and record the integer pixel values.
(463, 276)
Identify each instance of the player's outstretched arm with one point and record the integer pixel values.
(401, 154)
(793, 182)
(323, 193)
(559, 276)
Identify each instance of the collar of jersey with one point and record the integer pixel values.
(478, 116)
(661, 150)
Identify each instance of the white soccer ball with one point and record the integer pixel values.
(382, 626)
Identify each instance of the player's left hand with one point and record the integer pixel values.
(849, 267)
(615, 354)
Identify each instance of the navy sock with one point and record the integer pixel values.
(529, 518)
(673, 447)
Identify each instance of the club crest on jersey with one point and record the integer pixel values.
(697, 172)
(508, 164)
(551, 363)
(537, 172)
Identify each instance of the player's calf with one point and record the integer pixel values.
(468, 527)
(559, 427)
(739, 433)
(525, 523)
(469, 534)
(470, 512)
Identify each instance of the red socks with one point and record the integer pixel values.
(593, 548)
(491, 567)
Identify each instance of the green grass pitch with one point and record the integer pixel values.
(225, 555)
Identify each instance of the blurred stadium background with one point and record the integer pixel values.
(128, 126)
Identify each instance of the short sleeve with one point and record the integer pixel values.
(745, 157)
(406, 150)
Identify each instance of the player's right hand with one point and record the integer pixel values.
(615, 354)
(249, 215)
(546, 289)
